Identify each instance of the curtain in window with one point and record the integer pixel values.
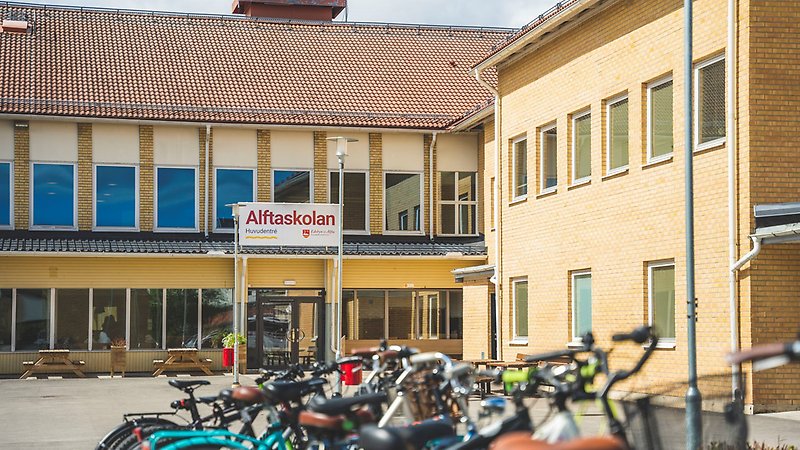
(521, 309)
(661, 120)
(711, 102)
(583, 147)
(663, 299)
(618, 135)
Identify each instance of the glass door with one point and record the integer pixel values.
(307, 336)
(276, 334)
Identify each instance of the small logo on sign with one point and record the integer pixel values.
(306, 233)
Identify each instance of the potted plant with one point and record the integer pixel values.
(228, 342)
(119, 359)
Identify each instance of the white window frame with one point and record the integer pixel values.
(421, 231)
(609, 103)
(576, 339)
(74, 226)
(574, 169)
(284, 169)
(514, 186)
(365, 231)
(458, 203)
(158, 229)
(95, 227)
(650, 86)
(214, 195)
(11, 220)
(662, 342)
(695, 102)
(542, 176)
(515, 338)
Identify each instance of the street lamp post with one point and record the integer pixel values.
(236, 294)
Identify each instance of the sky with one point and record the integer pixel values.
(498, 13)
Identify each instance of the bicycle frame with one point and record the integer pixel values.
(228, 439)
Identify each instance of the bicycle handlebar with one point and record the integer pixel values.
(551, 355)
(791, 349)
(640, 335)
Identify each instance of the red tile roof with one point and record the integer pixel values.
(156, 66)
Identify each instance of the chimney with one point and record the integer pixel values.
(290, 9)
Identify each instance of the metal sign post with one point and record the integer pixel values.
(236, 289)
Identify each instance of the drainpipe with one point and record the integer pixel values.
(430, 184)
(750, 255)
(732, 126)
(205, 197)
(243, 284)
(496, 279)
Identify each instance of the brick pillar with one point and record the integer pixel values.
(205, 215)
(85, 176)
(22, 175)
(376, 183)
(424, 222)
(320, 167)
(264, 171)
(146, 182)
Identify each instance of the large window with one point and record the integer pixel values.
(458, 203)
(33, 319)
(549, 159)
(72, 319)
(291, 186)
(520, 167)
(365, 314)
(231, 186)
(147, 313)
(54, 200)
(402, 202)
(431, 309)
(356, 204)
(5, 195)
(176, 198)
(115, 197)
(217, 317)
(710, 103)
(659, 120)
(6, 317)
(401, 314)
(581, 147)
(108, 317)
(520, 309)
(661, 300)
(617, 135)
(581, 304)
(182, 310)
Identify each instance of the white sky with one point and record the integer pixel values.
(502, 13)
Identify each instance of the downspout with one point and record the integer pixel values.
(496, 279)
(243, 300)
(430, 183)
(732, 126)
(750, 255)
(205, 197)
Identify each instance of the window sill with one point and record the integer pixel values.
(518, 200)
(616, 173)
(660, 161)
(48, 228)
(115, 229)
(518, 342)
(575, 345)
(547, 193)
(403, 233)
(668, 345)
(579, 183)
(716, 143)
(176, 230)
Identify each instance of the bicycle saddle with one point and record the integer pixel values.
(404, 438)
(183, 384)
(291, 391)
(248, 395)
(335, 406)
(521, 440)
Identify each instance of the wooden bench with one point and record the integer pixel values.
(53, 361)
(182, 359)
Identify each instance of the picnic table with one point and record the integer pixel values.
(53, 361)
(484, 383)
(181, 359)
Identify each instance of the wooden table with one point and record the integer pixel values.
(484, 383)
(181, 359)
(53, 361)
(510, 365)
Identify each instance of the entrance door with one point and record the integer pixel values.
(284, 330)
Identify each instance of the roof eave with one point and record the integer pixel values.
(473, 119)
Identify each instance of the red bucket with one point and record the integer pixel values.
(227, 357)
(351, 373)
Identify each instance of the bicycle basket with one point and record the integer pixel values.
(657, 420)
(421, 390)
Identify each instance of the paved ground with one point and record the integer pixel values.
(73, 414)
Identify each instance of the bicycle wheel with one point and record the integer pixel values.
(112, 440)
(131, 442)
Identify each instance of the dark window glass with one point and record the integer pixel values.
(5, 194)
(549, 158)
(431, 311)
(217, 318)
(349, 314)
(355, 199)
(233, 186)
(402, 198)
(368, 319)
(401, 313)
(5, 319)
(115, 196)
(108, 317)
(521, 168)
(447, 220)
(291, 186)
(181, 318)
(54, 195)
(711, 102)
(456, 314)
(146, 318)
(447, 186)
(176, 198)
(33, 319)
(72, 319)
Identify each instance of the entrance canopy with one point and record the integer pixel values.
(777, 223)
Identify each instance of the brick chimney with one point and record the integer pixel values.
(290, 9)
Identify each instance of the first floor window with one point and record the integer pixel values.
(520, 163)
(5, 194)
(108, 317)
(581, 304)
(147, 312)
(72, 320)
(710, 108)
(6, 302)
(53, 195)
(354, 213)
(33, 319)
(581, 147)
(115, 196)
(549, 159)
(232, 186)
(176, 198)
(216, 319)
(403, 198)
(520, 300)
(365, 312)
(617, 135)
(291, 186)
(661, 301)
(659, 119)
(458, 202)
(182, 323)
(401, 313)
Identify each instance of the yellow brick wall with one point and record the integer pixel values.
(264, 166)
(320, 167)
(146, 182)
(376, 183)
(201, 177)
(22, 169)
(85, 176)
(428, 146)
(477, 316)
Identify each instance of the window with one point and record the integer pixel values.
(520, 162)
(455, 307)
(291, 186)
(431, 308)
(492, 193)
(72, 319)
(115, 197)
(108, 317)
(520, 309)
(231, 186)
(710, 103)
(402, 197)
(661, 301)
(617, 135)
(54, 199)
(147, 312)
(6, 317)
(458, 203)
(33, 319)
(659, 120)
(581, 147)
(356, 203)
(182, 309)
(581, 305)
(401, 314)
(6, 189)
(549, 159)
(217, 319)
(364, 314)
(176, 198)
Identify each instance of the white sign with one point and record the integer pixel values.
(294, 224)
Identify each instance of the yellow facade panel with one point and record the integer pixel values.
(399, 274)
(306, 273)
